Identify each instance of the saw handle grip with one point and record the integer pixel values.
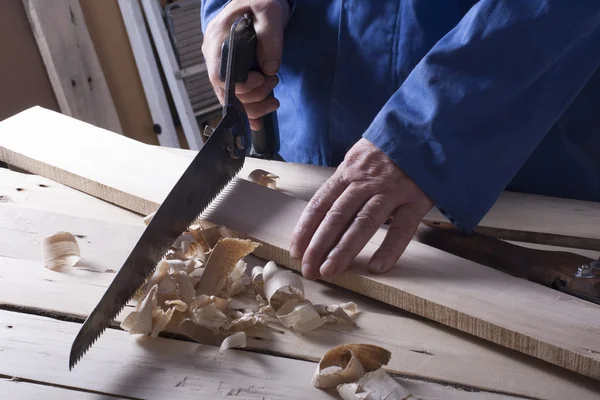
(265, 140)
(545, 267)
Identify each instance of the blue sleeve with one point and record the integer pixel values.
(208, 10)
(477, 105)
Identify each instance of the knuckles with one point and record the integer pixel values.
(366, 221)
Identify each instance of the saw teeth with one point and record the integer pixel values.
(223, 190)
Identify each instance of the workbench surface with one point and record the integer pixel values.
(41, 312)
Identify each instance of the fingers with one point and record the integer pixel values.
(335, 222)
(367, 221)
(255, 80)
(314, 212)
(270, 17)
(400, 232)
(269, 22)
(262, 108)
(258, 92)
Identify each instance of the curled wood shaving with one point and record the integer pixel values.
(302, 317)
(376, 385)
(221, 262)
(148, 218)
(347, 358)
(354, 370)
(60, 250)
(281, 286)
(263, 178)
(148, 317)
(284, 293)
(236, 340)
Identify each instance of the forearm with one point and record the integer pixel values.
(477, 105)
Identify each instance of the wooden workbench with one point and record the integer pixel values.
(43, 309)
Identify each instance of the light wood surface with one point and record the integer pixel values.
(419, 348)
(512, 211)
(70, 58)
(484, 302)
(79, 159)
(15, 389)
(159, 368)
(548, 325)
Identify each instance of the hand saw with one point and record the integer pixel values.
(217, 163)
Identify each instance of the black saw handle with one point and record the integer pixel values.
(265, 142)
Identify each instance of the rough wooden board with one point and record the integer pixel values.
(419, 348)
(14, 389)
(71, 61)
(125, 365)
(38, 349)
(37, 192)
(484, 302)
(427, 293)
(79, 159)
(512, 211)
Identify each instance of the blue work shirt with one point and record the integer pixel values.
(467, 97)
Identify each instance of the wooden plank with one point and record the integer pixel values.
(446, 289)
(554, 337)
(37, 192)
(79, 169)
(37, 348)
(68, 52)
(484, 302)
(514, 216)
(16, 389)
(419, 348)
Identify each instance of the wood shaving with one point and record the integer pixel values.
(263, 178)
(237, 340)
(284, 293)
(60, 251)
(376, 385)
(148, 218)
(193, 286)
(222, 261)
(302, 317)
(355, 371)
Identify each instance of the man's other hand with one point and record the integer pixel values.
(269, 20)
(366, 190)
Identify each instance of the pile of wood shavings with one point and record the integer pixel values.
(194, 285)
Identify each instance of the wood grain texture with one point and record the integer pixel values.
(107, 30)
(71, 62)
(15, 389)
(37, 349)
(81, 169)
(472, 298)
(419, 348)
(514, 216)
(520, 315)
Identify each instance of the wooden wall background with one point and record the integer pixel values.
(24, 81)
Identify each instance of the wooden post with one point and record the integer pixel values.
(70, 58)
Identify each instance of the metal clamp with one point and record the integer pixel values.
(588, 270)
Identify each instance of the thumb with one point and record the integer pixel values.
(269, 23)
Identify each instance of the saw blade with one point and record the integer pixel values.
(206, 176)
